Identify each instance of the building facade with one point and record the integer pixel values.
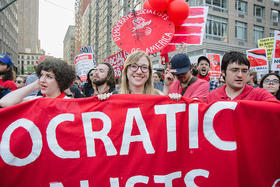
(231, 25)
(28, 41)
(236, 25)
(69, 45)
(9, 30)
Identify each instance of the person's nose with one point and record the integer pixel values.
(139, 70)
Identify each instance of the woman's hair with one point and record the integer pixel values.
(88, 77)
(64, 73)
(131, 59)
(159, 74)
(265, 76)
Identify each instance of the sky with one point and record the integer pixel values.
(54, 18)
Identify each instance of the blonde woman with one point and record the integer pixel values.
(137, 77)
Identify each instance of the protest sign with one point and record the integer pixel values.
(146, 30)
(117, 61)
(83, 63)
(139, 140)
(192, 30)
(276, 52)
(215, 64)
(87, 49)
(268, 44)
(258, 60)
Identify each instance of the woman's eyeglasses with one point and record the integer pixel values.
(135, 67)
(268, 81)
(19, 81)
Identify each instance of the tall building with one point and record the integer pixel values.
(236, 25)
(28, 41)
(231, 25)
(9, 30)
(69, 45)
(28, 21)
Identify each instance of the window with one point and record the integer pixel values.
(258, 33)
(275, 16)
(258, 11)
(241, 6)
(216, 28)
(241, 30)
(218, 5)
(195, 2)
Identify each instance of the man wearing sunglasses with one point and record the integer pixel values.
(185, 84)
(235, 68)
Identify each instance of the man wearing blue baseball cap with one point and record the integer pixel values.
(6, 72)
(185, 84)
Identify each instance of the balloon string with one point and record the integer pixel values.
(134, 14)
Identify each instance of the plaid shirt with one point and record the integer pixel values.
(213, 84)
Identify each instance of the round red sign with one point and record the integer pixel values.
(146, 30)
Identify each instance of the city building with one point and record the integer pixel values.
(9, 30)
(69, 45)
(28, 42)
(231, 25)
(236, 25)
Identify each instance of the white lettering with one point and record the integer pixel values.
(144, 134)
(190, 176)
(170, 111)
(193, 126)
(167, 179)
(36, 138)
(208, 129)
(102, 134)
(52, 139)
(136, 179)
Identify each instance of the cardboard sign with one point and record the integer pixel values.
(83, 63)
(215, 64)
(117, 61)
(146, 30)
(258, 60)
(139, 140)
(267, 43)
(276, 52)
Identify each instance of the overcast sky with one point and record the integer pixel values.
(54, 18)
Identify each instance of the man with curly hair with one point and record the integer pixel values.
(54, 75)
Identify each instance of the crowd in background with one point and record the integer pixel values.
(180, 78)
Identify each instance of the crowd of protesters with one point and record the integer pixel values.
(54, 78)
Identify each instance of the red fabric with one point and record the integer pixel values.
(249, 93)
(8, 84)
(253, 161)
(204, 78)
(199, 89)
(62, 95)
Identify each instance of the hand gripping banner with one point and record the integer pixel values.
(139, 140)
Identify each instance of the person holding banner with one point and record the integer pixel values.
(235, 68)
(137, 75)
(100, 80)
(271, 82)
(54, 75)
(186, 84)
(7, 73)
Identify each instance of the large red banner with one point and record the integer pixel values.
(132, 140)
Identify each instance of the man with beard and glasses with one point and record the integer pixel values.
(185, 84)
(100, 80)
(203, 67)
(7, 73)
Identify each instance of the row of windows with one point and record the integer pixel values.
(217, 29)
(28, 57)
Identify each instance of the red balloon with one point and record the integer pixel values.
(147, 5)
(178, 11)
(159, 5)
